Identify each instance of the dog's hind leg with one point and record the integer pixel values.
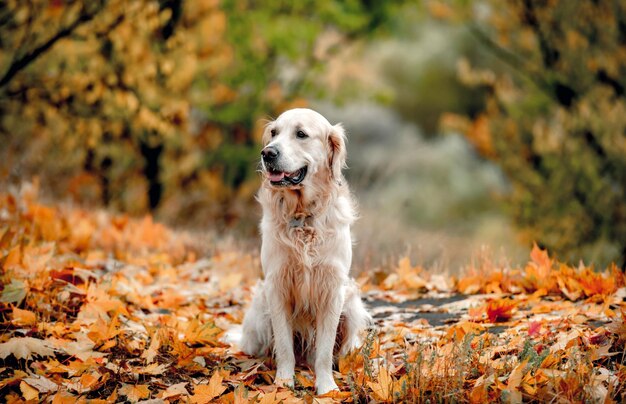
(257, 330)
(357, 319)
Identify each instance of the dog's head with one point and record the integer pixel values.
(302, 147)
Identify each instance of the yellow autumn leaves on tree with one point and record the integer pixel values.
(554, 118)
(158, 105)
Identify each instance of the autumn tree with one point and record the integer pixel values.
(131, 103)
(555, 118)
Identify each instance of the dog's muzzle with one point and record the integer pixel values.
(276, 175)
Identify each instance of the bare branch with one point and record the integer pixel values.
(22, 62)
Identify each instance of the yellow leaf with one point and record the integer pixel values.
(23, 317)
(382, 388)
(135, 393)
(268, 398)
(29, 393)
(64, 397)
(205, 393)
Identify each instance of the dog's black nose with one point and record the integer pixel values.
(270, 153)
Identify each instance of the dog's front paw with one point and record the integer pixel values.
(283, 382)
(284, 378)
(324, 385)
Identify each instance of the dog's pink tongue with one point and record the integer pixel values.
(275, 177)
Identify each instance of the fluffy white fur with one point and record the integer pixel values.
(306, 253)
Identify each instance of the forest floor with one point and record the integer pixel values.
(99, 307)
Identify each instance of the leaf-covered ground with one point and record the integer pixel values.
(97, 307)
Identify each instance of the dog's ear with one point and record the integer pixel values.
(337, 155)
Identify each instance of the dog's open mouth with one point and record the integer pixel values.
(283, 178)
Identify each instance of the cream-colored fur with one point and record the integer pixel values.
(306, 252)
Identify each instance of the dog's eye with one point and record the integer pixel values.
(273, 132)
(301, 135)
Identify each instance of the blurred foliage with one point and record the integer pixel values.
(555, 120)
(421, 69)
(156, 104)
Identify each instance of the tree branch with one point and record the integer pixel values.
(22, 62)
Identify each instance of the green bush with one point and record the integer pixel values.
(555, 120)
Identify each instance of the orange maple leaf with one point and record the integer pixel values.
(206, 392)
(540, 257)
(198, 332)
(594, 283)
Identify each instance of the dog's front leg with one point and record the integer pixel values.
(327, 322)
(283, 338)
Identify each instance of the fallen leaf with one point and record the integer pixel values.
(25, 348)
(175, 390)
(198, 332)
(14, 257)
(382, 387)
(152, 351)
(534, 328)
(24, 317)
(64, 397)
(28, 392)
(153, 369)
(540, 257)
(204, 393)
(14, 292)
(500, 310)
(42, 384)
(515, 380)
(134, 393)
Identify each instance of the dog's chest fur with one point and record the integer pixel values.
(304, 234)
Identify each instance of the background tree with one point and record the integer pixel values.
(131, 103)
(555, 117)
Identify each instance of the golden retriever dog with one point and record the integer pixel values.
(307, 306)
